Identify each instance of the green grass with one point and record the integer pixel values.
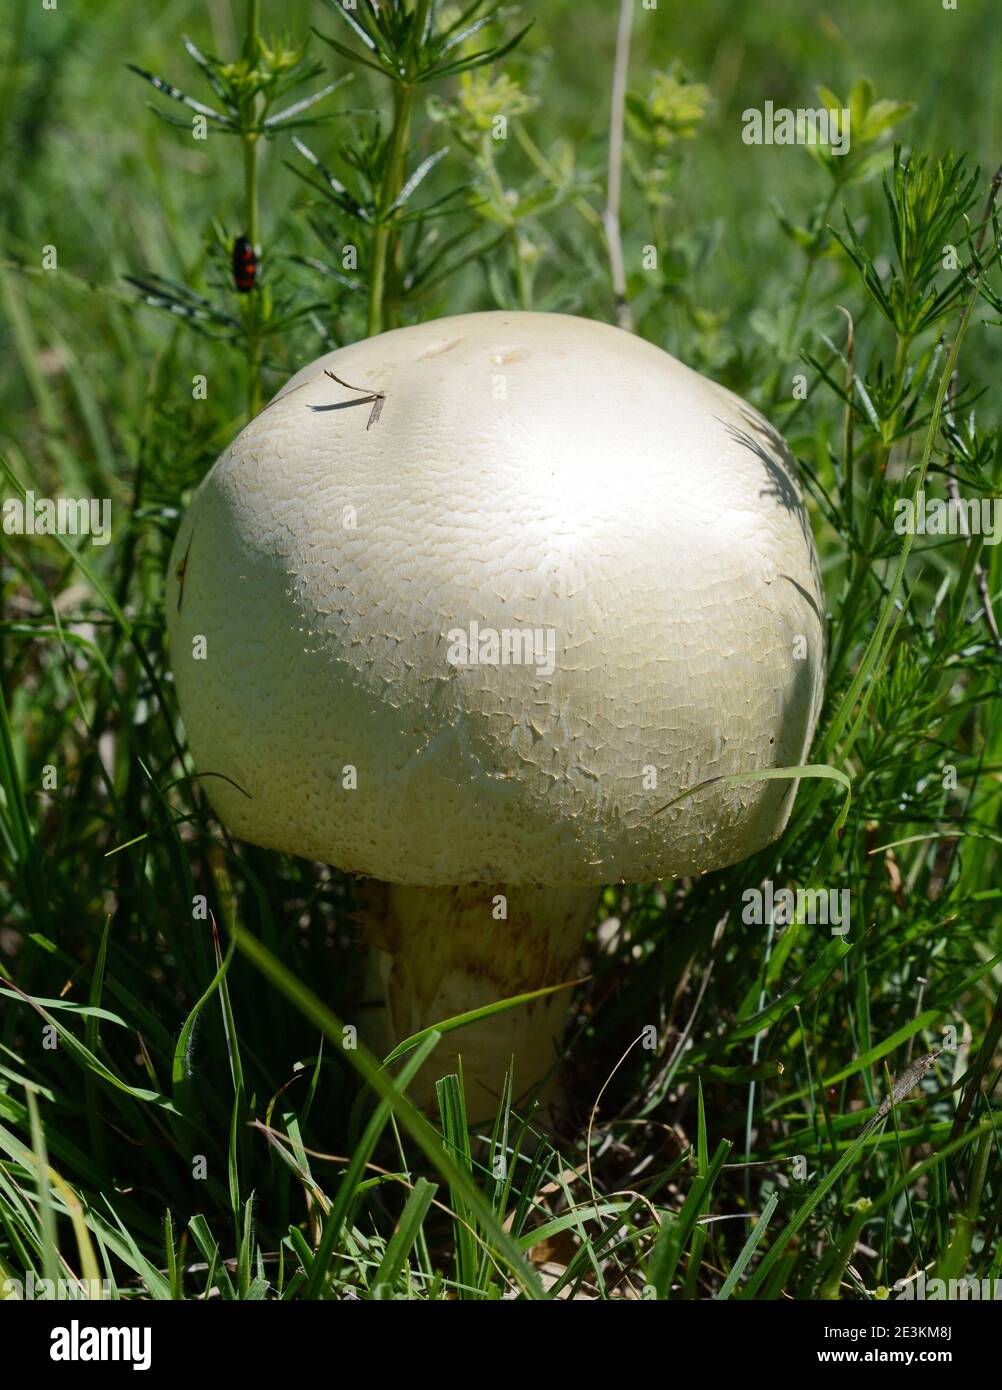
(177, 1113)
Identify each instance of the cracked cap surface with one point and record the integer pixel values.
(537, 487)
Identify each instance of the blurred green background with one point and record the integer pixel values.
(87, 167)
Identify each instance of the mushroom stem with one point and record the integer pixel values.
(439, 952)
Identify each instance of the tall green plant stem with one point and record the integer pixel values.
(253, 299)
(874, 649)
(800, 302)
(386, 238)
(511, 225)
(860, 560)
(249, 139)
(252, 29)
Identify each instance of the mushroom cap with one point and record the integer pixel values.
(485, 637)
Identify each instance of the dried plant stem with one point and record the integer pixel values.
(610, 218)
(905, 1082)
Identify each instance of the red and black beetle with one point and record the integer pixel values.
(244, 265)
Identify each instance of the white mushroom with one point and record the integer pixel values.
(467, 643)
